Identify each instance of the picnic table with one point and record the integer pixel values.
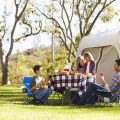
(63, 82)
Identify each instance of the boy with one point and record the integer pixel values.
(37, 85)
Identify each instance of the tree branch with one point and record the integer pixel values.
(63, 18)
(78, 2)
(14, 26)
(19, 16)
(87, 18)
(110, 3)
(17, 4)
(12, 32)
(62, 30)
(104, 6)
(79, 16)
(69, 23)
(31, 31)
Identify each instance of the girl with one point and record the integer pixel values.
(89, 67)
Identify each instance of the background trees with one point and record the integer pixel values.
(77, 16)
(21, 18)
(68, 21)
(24, 62)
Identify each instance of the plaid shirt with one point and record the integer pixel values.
(70, 81)
(115, 84)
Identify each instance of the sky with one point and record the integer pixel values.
(44, 38)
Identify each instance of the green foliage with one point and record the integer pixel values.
(21, 64)
(108, 14)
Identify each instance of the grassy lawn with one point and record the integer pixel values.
(12, 107)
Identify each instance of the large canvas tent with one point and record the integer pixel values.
(105, 48)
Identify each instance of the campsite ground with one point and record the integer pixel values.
(12, 107)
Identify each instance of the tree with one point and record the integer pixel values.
(83, 13)
(21, 15)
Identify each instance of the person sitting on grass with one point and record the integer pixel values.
(37, 85)
(94, 89)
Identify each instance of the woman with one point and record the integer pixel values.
(80, 62)
(74, 69)
(89, 67)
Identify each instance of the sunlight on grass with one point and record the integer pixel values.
(12, 107)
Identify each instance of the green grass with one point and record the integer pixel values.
(12, 107)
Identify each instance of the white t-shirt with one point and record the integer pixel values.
(38, 80)
(88, 66)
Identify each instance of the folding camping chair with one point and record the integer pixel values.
(29, 97)
(112, 98)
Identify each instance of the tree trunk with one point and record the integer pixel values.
(5, 73)
(70, 52)
(69, 60)
(3, 66)
(4, 76)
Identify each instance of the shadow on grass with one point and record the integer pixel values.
(13, 95)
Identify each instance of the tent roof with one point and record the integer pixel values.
(101, 39)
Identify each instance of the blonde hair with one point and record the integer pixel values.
(88, 54)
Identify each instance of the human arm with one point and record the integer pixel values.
(102, 80)
(34, 86)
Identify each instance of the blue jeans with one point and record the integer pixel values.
(42, 95)
(90, 96)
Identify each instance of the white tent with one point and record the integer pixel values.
(105, 48)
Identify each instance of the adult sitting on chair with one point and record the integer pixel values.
(37, 85)
(94, 89)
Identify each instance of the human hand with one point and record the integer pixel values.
(64, 72)
(101, 76)
(89, 74)
(43, 82)
(101, 79)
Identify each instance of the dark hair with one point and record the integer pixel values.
(36, 67)
(118, 62)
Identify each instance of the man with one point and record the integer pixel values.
(94, 89)
(37, 85)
